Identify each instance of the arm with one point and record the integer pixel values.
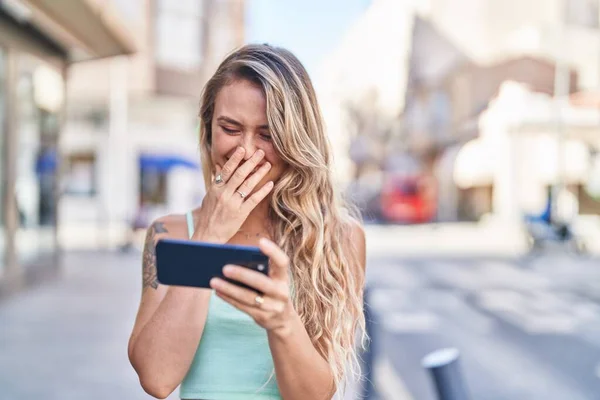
(302, 373)
(168, 325)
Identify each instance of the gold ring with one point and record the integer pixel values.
(259, 300)
(241, 194)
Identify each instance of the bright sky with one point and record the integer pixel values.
(308, 28)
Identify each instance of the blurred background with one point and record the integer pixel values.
(467, 131)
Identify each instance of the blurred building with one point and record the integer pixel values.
(530, 43)
(490, 31)
(40, 41)
(362, 84)
(525, 42)
(446, 62)
(518, 157)
(131, 137)
(470, 88)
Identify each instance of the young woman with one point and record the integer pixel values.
(267, 164)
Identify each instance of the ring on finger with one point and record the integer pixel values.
(259, 300)
(219, 179)
(242, 194)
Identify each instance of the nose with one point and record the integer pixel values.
(249, 145)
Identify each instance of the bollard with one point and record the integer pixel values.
(368, 387)
(445, 371)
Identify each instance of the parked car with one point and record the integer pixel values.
(408, 199)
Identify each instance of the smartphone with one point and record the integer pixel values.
(189, 263)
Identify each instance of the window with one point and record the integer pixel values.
(583, 13)
(179, 33)
(80, 179)
(153, 187)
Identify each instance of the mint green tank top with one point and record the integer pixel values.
(233, 360)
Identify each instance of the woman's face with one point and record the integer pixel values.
(240, 119)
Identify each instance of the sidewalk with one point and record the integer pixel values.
(447, 240)
(492, 237)
(67, 338)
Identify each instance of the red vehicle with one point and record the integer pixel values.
(408, 199)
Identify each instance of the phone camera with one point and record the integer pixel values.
(261, 267)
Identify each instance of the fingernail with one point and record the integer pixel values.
(240, 150)
(267, 165)
(214, 282)
(260, 153)
(227, 269)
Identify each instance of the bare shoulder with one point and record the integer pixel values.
(172, 221)
(169, 226)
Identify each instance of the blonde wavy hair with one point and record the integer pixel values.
(312, 222)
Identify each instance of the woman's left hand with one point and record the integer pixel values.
(276, 310)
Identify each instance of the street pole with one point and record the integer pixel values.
(561, 92)
(445, 371)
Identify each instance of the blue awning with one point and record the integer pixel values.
(164, 162)
(46, 162)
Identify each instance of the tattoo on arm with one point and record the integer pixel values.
(149, 257)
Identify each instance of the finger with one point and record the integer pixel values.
(249, 184)
(242, 172)
(280, 262)
(245, 296)
(257, 313)
(232, 164)
(239, 293)
(258, 196)
(256, 280)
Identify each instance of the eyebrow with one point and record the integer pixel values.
(236, 123)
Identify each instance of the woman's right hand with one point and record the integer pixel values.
(223, 209)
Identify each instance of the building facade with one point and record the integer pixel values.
(131, 136)
(39, 42)
(447, 60)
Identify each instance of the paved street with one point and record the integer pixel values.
(67, 339)
(526, 329)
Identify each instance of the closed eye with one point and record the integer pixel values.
(227, 130)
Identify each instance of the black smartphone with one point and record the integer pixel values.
(189, 263)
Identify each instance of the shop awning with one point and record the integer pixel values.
(474, 165)
(538, 158)
(88, 29)
(576, 158)
(164, 162)
(46, 162)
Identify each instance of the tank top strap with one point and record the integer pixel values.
(190, 224)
